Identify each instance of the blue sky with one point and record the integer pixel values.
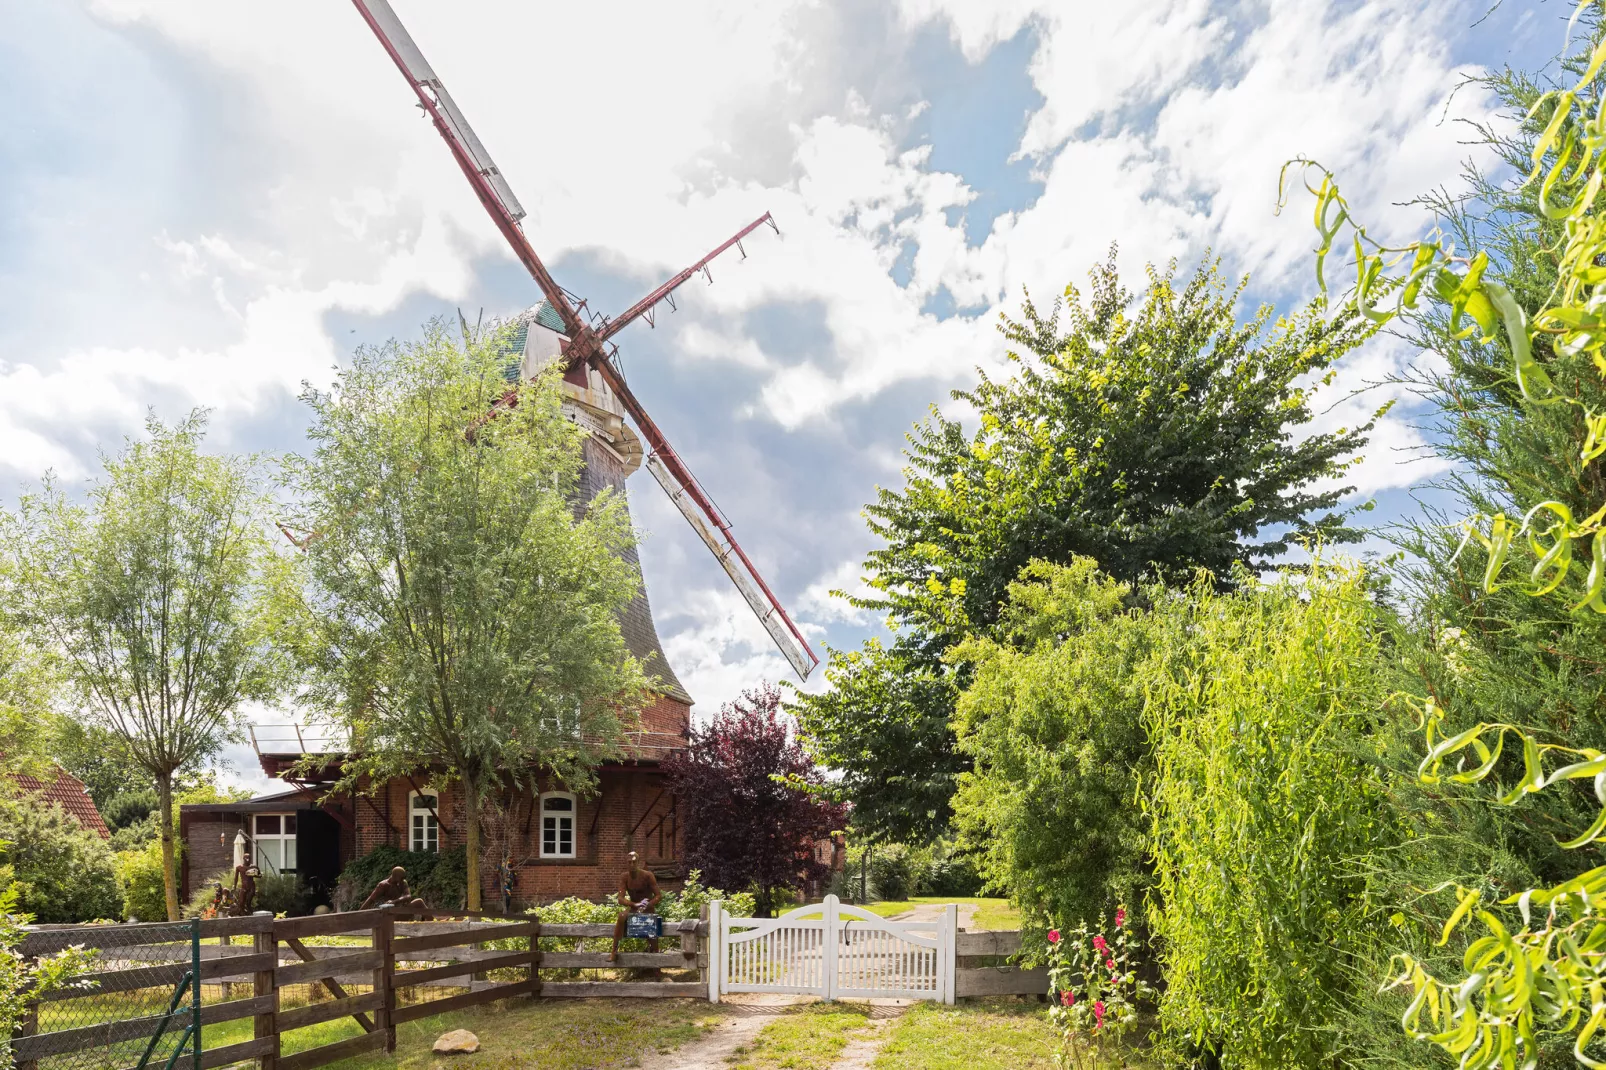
(208, 204)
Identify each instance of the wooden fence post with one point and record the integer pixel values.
(535, 961)
(28, 1026)
(265, 1025)
(385, 977)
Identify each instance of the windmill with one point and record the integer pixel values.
(596, 394)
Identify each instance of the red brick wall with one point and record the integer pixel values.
(204, 856)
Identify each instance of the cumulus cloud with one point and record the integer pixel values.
(265, 172)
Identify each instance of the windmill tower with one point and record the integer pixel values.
(622, 436)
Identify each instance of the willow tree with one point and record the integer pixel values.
(462, 603)
(157, 598)
(1535, 962)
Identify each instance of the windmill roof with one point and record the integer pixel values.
(67, 792)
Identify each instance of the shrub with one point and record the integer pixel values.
(277, 893)
(61, 872)
(1052, 720)
(893, 871)
(1265, 797)
(439, 878)
(139, 872)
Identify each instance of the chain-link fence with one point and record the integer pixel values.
(134, 1005)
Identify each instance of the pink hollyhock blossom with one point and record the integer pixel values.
(1068, 998)
(1053, 936)
(1110, 963)
(1120, 916)
(1098, 944)
(1098, 1013)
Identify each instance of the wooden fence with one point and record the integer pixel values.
(388, 955)
(981, 969)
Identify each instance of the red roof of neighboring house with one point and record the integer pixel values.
(67, 792)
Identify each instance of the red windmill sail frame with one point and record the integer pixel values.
(584, 345)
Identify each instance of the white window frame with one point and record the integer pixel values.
(286, 842)
(571, 815)
(423, 823)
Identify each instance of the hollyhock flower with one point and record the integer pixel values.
(1068, 998)
(1120, 916)
(1098, 1013)
(1110, 963)
(1053, 936)
(1098, 944)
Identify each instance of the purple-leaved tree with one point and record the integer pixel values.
(743, 784)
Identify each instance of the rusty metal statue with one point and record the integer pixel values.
(393, 891)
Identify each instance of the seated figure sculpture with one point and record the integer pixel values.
(393, 892)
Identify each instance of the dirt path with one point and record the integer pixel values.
(741, 1017)
(933, 911)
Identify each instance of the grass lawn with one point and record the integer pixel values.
(809, 1038)
(555, 1034)
(989, 1035)
(990, 913)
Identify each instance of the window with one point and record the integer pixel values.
(557, 825)
(563, 723)
(275, 837)
(423, 822)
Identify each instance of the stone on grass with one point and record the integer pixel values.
(457, 1042)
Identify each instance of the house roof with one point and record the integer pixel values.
(67, 792)
(294, 799)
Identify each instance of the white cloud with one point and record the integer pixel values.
(289, 179)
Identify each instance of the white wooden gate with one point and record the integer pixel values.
(832, 950)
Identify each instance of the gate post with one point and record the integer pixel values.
(716, 948)
(830, 938)
(947, 950)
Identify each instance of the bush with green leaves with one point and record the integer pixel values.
(139, 872)
(1052, 720)
(1264, 797)
(24, 981)
(60, 871)
(439, 878)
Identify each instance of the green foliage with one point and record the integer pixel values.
(882, 723)
(1052, 720)
(28, 687)
(139, 873)
(25, 981)
(59, 871)
(1096, 989)
(1524, 401)
(1155, 434)
(159, 598)
(439, 878)
(1263, 799)
(461, 613)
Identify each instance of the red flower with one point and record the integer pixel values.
(1098, 1013)
(1068, 998)
(1120, 916)
(1053, 936)
(1111, 964)
(1098, 944)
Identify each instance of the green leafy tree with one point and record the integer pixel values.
(1052, 722)
(159, 598)
(462, 606)
(97, 756)
(60, 871)
(1153, 433)
(25, 980)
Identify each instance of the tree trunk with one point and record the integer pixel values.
(471, 836)
(164, 808)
